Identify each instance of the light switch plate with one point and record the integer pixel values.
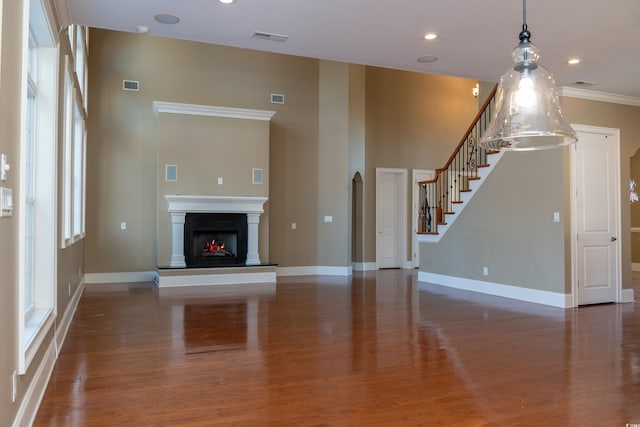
(6, 202)
(220, 180)
(328, 218)
(4, 167)
(556, 217)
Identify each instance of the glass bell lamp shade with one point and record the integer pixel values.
(527, 114)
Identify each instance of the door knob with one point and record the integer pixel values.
(613, 239)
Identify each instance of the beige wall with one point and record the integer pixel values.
(70, 260)
(204, 149)
(508, 227)
(338, 119)
(507, 224)
(413, 120)
(122, 165)
(634, 173)
(627, 119)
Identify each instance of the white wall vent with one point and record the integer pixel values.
(133, 85)
(277, 98)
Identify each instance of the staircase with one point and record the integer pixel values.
(443, 198)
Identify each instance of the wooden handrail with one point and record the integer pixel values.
(473, 124)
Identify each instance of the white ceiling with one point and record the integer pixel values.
(474, 41)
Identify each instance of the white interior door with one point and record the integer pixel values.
(391, 210)
(417, 176)
(596, 184)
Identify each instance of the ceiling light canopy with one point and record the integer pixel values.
(430, 36)
(427, 59)
(227, 1)
(573, 61)
(527, 113)
(166, 18)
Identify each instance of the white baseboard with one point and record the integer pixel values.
(628, 295)
(364, 266)
(635, 266)
(215, 279)
(133, 276)
(553, 299)
(62, 327)
(38, 385)
(314, 271)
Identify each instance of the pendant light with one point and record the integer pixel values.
(527, 113)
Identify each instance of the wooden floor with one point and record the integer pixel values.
(377, 349)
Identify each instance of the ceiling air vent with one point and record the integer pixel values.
(277, 98)
(584, 83)
(269, 36)
(133, 85)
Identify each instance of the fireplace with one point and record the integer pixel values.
(246, 249)
(215, 239)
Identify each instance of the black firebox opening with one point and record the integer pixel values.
(215, 239)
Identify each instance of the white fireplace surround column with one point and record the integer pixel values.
(180, 205)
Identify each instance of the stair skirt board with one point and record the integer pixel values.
(553, 299)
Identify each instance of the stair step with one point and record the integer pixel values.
(473, 178)
(457, 201)
(486, 165)
(429, 233)
(489, 152)
(465, 190)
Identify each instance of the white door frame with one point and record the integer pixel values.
(416, 176)
(615, 134)
(401, 182)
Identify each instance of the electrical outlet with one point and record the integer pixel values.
(123, 226)
(485, 271)
(14, 386)
(293, 225)
(556, 217)
(220, 180)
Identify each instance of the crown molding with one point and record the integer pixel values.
(211, 110)
(593, 95)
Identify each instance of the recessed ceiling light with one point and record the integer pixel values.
(165, 18)
(430, 36)
(227, 1)
(428, 59)
(573, 61)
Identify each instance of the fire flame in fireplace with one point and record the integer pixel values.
(215, 248)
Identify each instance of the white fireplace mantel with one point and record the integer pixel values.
(180, 205)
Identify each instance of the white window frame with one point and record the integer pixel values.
(75, 138)
(35, 322)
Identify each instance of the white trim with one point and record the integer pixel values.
(465, 197)
(180, 205)
(635, 266)
(415, 201)
(215, 279)
(132, 276)
(314, 271)
(364, 266)
(211, 110)
(593, 95)
(553, 299)
(574, 222)
(221, 204)
(63, 326)
(402, 213)
(628, 295)
(33, 396)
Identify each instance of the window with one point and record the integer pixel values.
(75, 142)
(37, 192)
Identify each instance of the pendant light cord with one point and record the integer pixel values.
(525, 35)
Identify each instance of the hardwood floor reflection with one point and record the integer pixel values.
(374, 349)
